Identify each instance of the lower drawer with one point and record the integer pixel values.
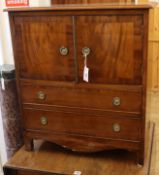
(83, 124)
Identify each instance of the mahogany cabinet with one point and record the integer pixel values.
(53, 46)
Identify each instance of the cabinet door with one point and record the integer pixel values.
(116, 43)
(38, 41)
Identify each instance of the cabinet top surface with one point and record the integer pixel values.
(97, 6)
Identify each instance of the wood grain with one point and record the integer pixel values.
(153, 57)
(41, 70)
(98, 6)
(80, 124)
(41, 40)
(85, 1)
(82, 96)
(107, 62)
(80, 143)
(152, 112)
(49, 159)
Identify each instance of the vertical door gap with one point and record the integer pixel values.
(75, 48)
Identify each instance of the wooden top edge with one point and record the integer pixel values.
(103, 6)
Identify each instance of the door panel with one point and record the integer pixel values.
(38, 42)
(116, 48)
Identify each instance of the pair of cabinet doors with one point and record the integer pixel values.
(115, 41)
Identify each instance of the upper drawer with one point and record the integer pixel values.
(82, 96)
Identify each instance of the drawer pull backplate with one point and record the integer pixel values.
(116, 127)
(64, 51)
(116, 101)
(41, 95)
(43, 120)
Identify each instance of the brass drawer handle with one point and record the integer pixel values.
(116, 101)
(116, 127)
(41, 95)
(43, 121)
(64, 51)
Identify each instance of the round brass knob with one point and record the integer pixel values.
(116, 127)
(41, 95)
(86, 51)
(64, 51)
(116, 101)
(43, 120)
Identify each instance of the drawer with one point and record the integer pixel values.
(83, 96)
(83, 124)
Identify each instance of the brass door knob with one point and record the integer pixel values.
(116, 127)
(41, 95)
(64, 51)
(43, 120)
(116, 101)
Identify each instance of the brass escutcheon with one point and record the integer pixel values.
(86, 51)
(43, 120)
(116, 101)
(41, 95)
(64, 51)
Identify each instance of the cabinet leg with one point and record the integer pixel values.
(29, 144)
(140, 158)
